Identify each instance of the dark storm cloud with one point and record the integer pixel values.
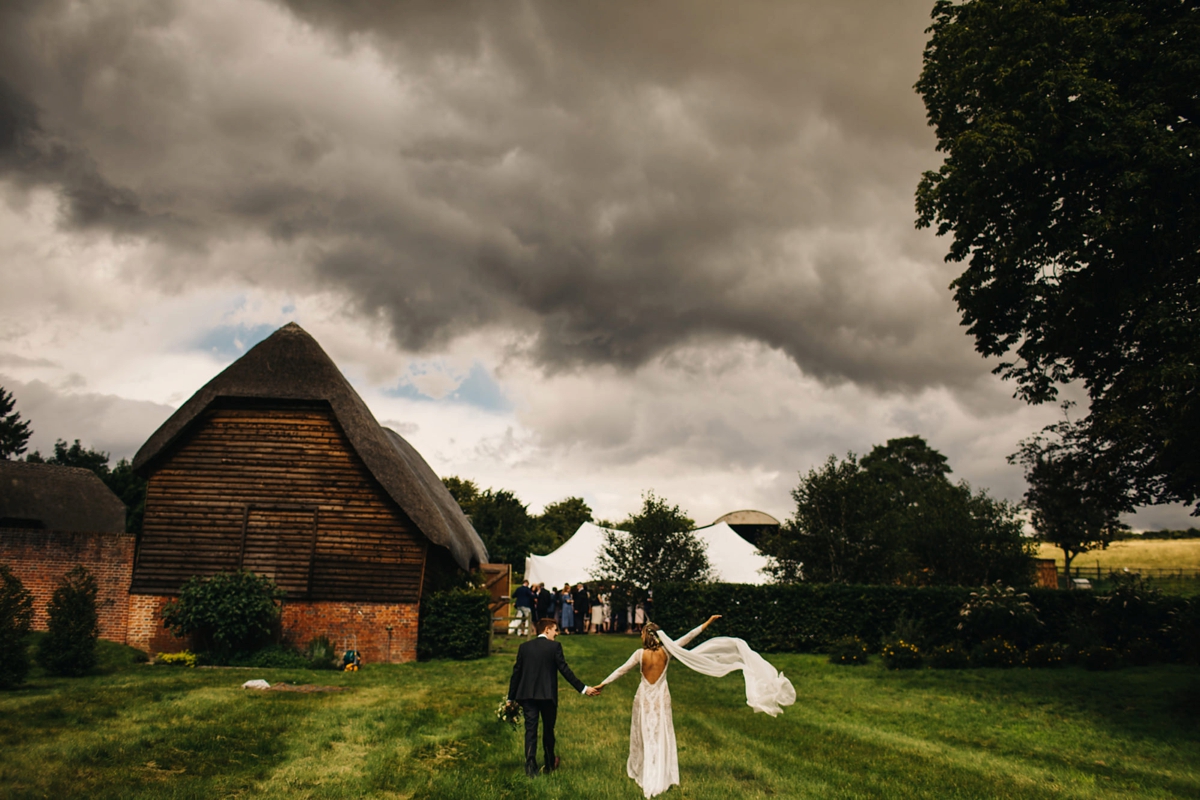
(610, 180)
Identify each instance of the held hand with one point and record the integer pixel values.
(712, 619)
(593, 691)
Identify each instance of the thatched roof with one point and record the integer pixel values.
(289, 365)
(57, 498)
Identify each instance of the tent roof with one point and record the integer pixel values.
(733, 559)
(289, 365)
(60, 498)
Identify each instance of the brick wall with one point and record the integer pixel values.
(366, 623)
(344, 624)
(41, 558)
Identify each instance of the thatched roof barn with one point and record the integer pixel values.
(57, 498)
(278, 466)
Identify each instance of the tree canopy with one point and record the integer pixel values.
(14, 431)
(1071, 185)
(657, 546)
(894, 517)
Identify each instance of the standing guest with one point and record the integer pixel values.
(567, 611)
(523, 599)
(545, 603)
(579, 598)
(600, 610)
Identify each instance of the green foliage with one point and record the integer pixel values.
(184, 658)
(272, 656)
(1076, 497)
(14, 432)
(656, 547)
(320, 653)
(849, 650)
(1099, 658)
(1000, 612)
(16, 615)
(949, 656)
(901, 655)
(1046, 655)
(226, 614)
(559, 521)
(69, 647)
(995, 652)
(1070, 138)
(894, 517)
(454, 624)
(1129, 610)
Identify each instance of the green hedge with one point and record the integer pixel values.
(811, 617)
(454, 624)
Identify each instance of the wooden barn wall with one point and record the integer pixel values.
(280, 492)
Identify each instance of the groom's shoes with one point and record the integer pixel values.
(550, 769)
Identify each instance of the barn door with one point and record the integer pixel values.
(278, 542)
(498, 577)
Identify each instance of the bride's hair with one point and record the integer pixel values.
(649, 640)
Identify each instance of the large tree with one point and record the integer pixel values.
(1071, 185)
(14, 431)
(559, 521)
(1074, 499)
(895, 517)
(657, 546)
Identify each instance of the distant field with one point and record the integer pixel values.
(1152, 554)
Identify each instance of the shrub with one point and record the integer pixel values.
(1099, 658)
(901, 655)
(227, 614)
(320, 653)
(1182, 631)
(1141, 653)
(16, 615)
(183, 659)
(455, 624)
(995, 652)
(999, 612)
(1050, 654)
(273, 656)
(949, 656)
(69, 647)
(848, 650)
(1129, 610)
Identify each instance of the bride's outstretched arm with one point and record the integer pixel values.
(633, 661)
(684, 640)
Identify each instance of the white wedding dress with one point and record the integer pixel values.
(653, 759)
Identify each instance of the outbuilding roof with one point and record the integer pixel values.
(57, 498)
(289, 365)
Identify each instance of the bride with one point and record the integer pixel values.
(653, 761)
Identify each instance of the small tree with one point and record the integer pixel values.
(16, 615)
(657, 547)
(14, 432)
(1075, 498)
(227, 614)
(69, 647)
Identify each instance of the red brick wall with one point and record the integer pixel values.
(41, 558)
(366, 623)
(343, 623)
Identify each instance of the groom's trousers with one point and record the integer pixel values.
(548, 710)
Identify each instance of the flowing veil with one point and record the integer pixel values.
(767, 690)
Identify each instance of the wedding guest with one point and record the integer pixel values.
(523, 600)
(567, 612)
(598, 611)
(545, 602)
(579, 599)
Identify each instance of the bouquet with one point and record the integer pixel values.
(508, 712)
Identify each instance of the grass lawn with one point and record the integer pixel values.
(427, 730)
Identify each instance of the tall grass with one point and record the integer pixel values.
(427, 730)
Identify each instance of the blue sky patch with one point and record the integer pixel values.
(232, 341)
(478, 389)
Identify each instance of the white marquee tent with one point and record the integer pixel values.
(733, 559)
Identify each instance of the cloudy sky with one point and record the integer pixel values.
(564, 248)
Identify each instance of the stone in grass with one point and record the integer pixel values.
(257, 683)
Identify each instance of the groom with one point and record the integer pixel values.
(534, 685)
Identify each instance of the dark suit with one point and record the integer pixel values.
(534, 684)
